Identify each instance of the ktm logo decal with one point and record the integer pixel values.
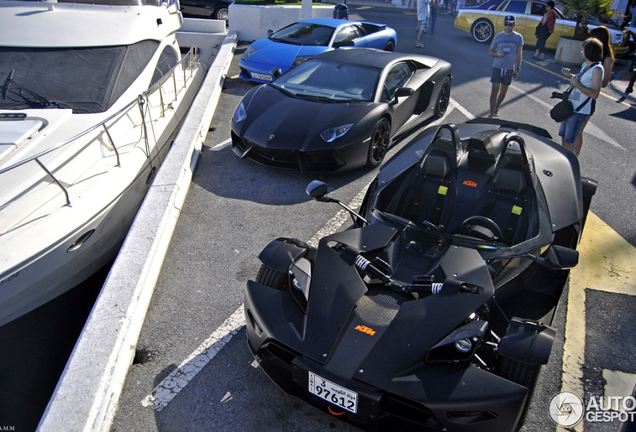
(366, 330)
(470, 183)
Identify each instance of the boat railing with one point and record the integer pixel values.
(189, 63)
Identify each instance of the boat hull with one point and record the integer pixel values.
(61, 244)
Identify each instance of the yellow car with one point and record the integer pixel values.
(487, 19)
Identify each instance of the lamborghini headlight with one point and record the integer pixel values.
(240, 114)
(300, 59)
(460, 344)
(248, 52)
(331, 134)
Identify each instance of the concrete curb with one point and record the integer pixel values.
(87, 395)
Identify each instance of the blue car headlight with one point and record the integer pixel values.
(240, 114)
(300, 59)
(331, 134)
(248, 52)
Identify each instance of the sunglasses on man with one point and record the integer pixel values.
(509, 24)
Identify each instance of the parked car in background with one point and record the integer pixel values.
(215, 9)
(487, 19)
(300, 41)
(339, 110)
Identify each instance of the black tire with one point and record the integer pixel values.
(379, 143)
(443, 98)
(222, 13)
(483, 31)
(272, 278)
(390, 46)
(517, 372)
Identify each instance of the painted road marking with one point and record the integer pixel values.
(222, 145)
(170, 387)
(619, 383)
(607, 262)
(567, 80)
(589, 129)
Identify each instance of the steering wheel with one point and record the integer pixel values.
(481, 227)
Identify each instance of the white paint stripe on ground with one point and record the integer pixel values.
(170, 387)
(589, 129)
(461, 109)
(180, 377)
(222, 145)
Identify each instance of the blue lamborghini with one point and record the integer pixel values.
(298, 42)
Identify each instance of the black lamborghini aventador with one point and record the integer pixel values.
(339, 110)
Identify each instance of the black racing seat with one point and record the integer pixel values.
(428, 192)
(511, 204)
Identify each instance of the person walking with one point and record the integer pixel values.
(545, 29)
(506, 48)
(603, 35)
(587, 86)
(422, 19)
(433, 6)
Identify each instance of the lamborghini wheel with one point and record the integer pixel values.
(379, 143)
(272, 278)
(390, 46)
(443, 98)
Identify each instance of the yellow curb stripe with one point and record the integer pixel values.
(565, 79)
(606, 263)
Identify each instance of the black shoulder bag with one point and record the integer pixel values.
(564, 109)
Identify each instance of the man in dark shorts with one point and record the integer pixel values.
(506, 48)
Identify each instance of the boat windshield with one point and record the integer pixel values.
(429, 241)
(86, 80)
(304, 34)
(329, 81)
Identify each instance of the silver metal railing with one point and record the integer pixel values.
(189, 63)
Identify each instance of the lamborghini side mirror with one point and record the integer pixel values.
(404, 91)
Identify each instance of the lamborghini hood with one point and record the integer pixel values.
(277, 121)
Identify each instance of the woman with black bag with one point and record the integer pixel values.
(586, 86)
(545, 29)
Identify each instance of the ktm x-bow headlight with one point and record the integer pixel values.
(460, 344)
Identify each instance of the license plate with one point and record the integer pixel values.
(333, 393)
(262, 76)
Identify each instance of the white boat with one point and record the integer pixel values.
(91, 97)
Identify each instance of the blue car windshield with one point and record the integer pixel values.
(304, 34)
(329, 81)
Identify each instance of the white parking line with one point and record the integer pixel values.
(589, 129)
(222, 145)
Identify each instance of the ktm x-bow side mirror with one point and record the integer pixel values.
(318, 191)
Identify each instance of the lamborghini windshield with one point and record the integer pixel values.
(329, 81)
(304, 34)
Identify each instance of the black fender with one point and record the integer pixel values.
(527, 342)
(279, 254)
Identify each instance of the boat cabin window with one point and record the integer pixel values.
(166, 62)
(86, 80)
